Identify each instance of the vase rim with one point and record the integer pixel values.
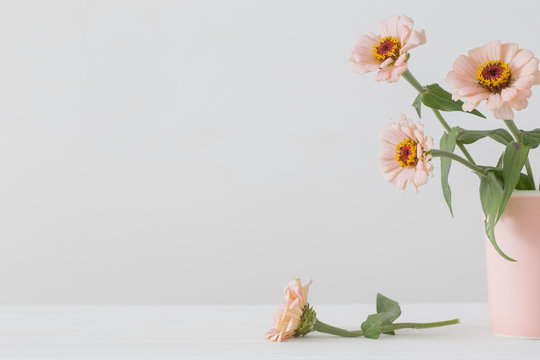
(523, 193)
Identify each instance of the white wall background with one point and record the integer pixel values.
(208, 151)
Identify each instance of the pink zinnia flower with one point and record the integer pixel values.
(502, 74)
(405, 153)
(288, 317)
(387, 52)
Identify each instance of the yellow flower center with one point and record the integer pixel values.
(406, 153)
(493, 75)
(387, 47)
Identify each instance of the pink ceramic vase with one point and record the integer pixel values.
(514, 287)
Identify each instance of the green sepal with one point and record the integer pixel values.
(307, 321)
(436, 97)
(388, 311)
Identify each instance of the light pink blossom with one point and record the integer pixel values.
(405, 154)
(387, 52)
(287, 318)
(501, 74)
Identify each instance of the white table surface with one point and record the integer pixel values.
(236, 332)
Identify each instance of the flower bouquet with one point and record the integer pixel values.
(501, 75)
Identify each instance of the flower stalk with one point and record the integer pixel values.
(407, 75)
(442, 153)
(329, 329)
(411, 325)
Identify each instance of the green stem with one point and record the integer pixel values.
(396, 326)
(456, 157)
(511, 125)
(407, 75)
(329, 329)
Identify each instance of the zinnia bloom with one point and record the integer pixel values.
(502, 74)
(387, 52)
(405, 153)
(288, 317)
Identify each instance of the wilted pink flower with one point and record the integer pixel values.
(405, 153)
(387, 51)
(287, 318)
(502, 74)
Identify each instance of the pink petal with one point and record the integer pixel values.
(519, 103)
(477, 56)
(528, 69)
(520, 60)
(417, 38)
(469, 106)
(383, 74)
(367, 41)
(536, 78)
(389, 26)
(401, 60)
(504, 113)
(470, 91)
(404, 28)
(508, 51)
(465, 66)
(386, 63)
(494, 101)
(524, 82)
(364, 68)
(508, 94)
(457, 80)
(362, 58)
(492, 50)
(390, 171)
(473, 101)
(401, 180)
(428, 143)
(396, 72)
(420, 178)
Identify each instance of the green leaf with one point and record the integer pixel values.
(514, 159)
(531, 138)
(470, 136)
(436, 97)
(417, 105)
(490, 232)
(447, 143)
(388, 311)
(388, 305)
(491, 192)
(491, 196)
(385, 304)
(500, 161)
(525, 183)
